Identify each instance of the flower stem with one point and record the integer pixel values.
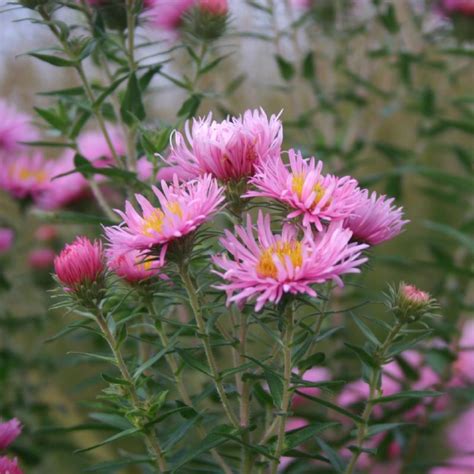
(181, 387)
(286, 397)
(151, 440)
(204, 335)
(381, 355)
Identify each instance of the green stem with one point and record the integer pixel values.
(204, 335)
(286, 397)
(181, 387)
(381, 355)
(151, 440)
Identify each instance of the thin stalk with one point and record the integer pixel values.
(373, 384)
(181, 387)
(286, 397)
(152, 442)
(204, 335)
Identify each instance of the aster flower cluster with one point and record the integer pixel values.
(9, 431)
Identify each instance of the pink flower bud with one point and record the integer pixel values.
(216, 7)
(46, 233)
(9, 466)
(41, 259)
(9, 431)
(413, 294)
(79, 263)
(6, 239)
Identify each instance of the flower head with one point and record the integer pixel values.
(183, 208)
(93, 146)
(60, 191)
(9, 466)
(15, 127)
(215, 7)
(271, 265)
(79, 263)
(463, 7)
(408, 303)
(375, 219)
(41, 258)
(168, 14)
(304, 188)
(7, 235)
(25, 176)
(228, 150)
(46, 233)
(9, 431)
(132, 266)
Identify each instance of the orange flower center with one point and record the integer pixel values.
(154, 222)
(25, 174)
(282, 251)
(297, 184)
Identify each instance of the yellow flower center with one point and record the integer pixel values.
(154, 222)
(281, 250)
(25, 174)
(297, 184)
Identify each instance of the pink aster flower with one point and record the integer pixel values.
(41, 258)
(292, 424)
(93, 146)
(463, 368)
(132, 266)
(168, 14)
(228, 150)
(15, 127)
(9, 466)
(375, 219)
(216, 7)
(7, 235)
(304, 188)
(456, 465)
(463, 7)
(46, 233)
(314, 375)
(461, 434)
(9, 431)
(183, 208)
(25, 176)
(79, 263)
(60, 191)
(268, 267)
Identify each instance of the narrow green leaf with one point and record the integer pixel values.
(275, 384)
(190, 106)
(193, 362)
(296, 437)
(365, 329)
(336, 461)
(363, 355)
(287, 71)
(408, 394)
(311, 361)
(53, 60)
(381, 427)
(132, 108)
(121, 435)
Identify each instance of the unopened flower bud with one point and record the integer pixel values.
(46, 233)
(80, 268)
(409, 304)
(208, 20)
(9, 431)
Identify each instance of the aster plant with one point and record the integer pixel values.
(217, 282)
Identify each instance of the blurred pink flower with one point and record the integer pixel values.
(456, 465)
(9, 466)
(301, 4)
(228, 150)
(461, 433)
(15, 127)
(41, 259)
(292, 423)
(79, 263)
(25, 176)
(144, 169)
(316, 197)
(463, 367)
(463, 7)
(7, 236)
(374, 220)
(132, 266)
(216, 7)
(46, 233)
(183, 209)
(61, 191)
(168, 14)
(273, 265)
(9, 431)
(317, 374)
(93, 146)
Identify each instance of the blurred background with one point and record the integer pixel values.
(379, 90)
